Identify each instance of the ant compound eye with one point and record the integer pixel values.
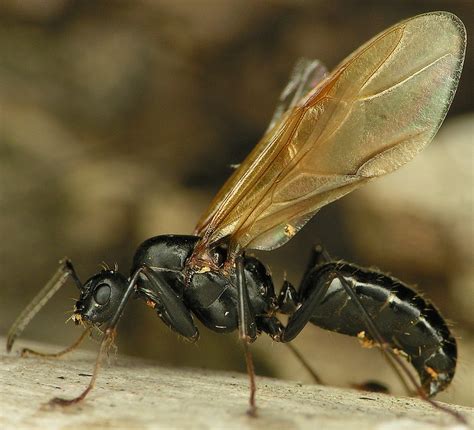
(102, 294)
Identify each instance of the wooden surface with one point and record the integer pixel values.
(133, 394)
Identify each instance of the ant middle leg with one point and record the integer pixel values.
(247, 328)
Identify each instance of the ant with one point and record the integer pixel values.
(330, 134)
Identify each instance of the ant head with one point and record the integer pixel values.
(100, 297)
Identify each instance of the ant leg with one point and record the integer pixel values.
(288, 299)
(375, 334)
(318, 256)
(303, 314)
(305, 364)
(171, 304)
(171, 308)
(65, 271)
(25, 352)
(247, 328)
(315, 292)
(106, 343)
(288, 303)
(318, 291)
(392, 358)
(274, 328)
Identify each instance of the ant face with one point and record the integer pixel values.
(100, 298)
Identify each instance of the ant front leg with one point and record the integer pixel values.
(65, 271)
(107, 341)
(169, 306)
(25, 352)
(247, 328)
(151, 286)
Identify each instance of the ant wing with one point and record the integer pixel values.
(306, 74)
(371, 115)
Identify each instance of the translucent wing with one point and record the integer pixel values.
(372, 114)
(305, 75)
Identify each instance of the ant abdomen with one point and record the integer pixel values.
(408, 323)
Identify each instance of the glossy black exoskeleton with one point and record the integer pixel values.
(211, 297)
(337, 296)
(410, 325)
(330, 134)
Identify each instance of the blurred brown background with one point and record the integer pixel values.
(119, 121)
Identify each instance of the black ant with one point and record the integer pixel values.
(330, 134)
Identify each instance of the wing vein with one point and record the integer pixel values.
(403, 81)
(380, 107)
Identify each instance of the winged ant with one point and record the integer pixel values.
(330, 134)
